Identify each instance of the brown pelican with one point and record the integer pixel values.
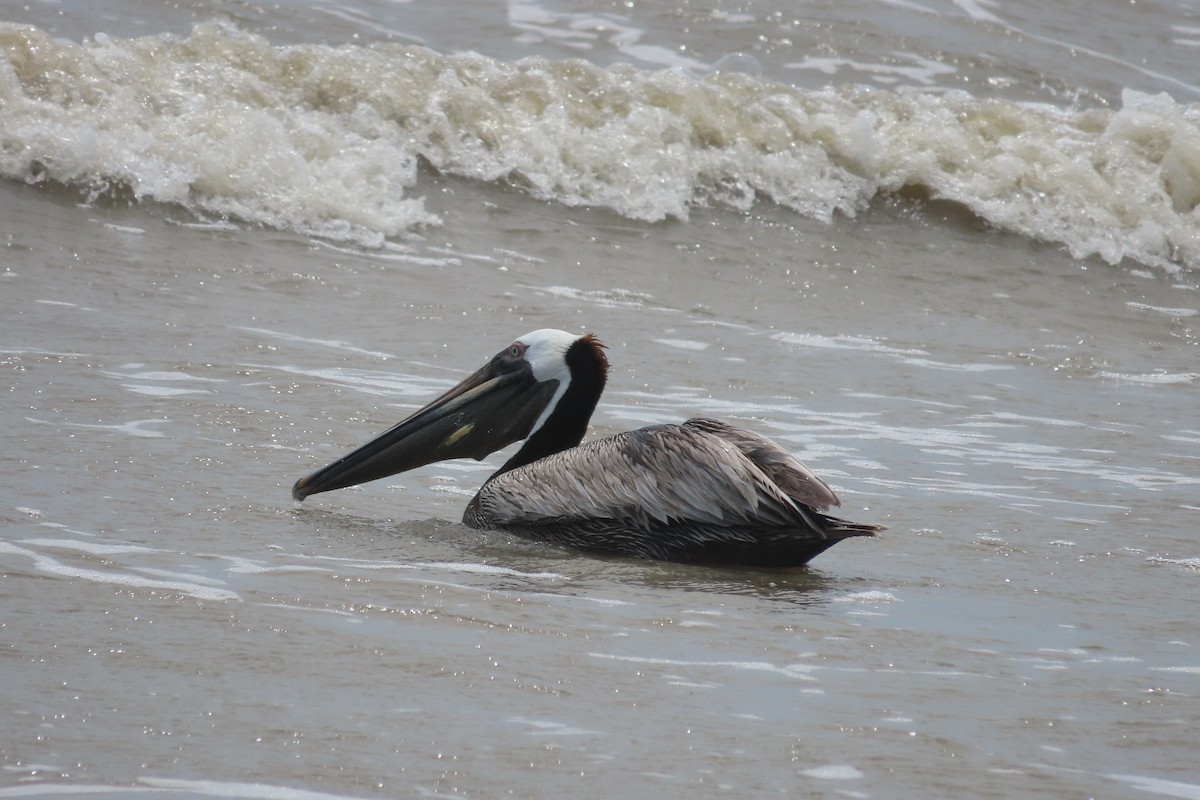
(703, 491)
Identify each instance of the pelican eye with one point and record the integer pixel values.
(517, 350)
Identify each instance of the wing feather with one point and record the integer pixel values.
(702, 472)
(785, 470)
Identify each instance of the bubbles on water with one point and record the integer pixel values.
(740, 63)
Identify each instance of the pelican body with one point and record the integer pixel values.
(704, 491)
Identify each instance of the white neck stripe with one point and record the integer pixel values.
(546, 352)
(563, 383)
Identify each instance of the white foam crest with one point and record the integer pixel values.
(52, 566)
(156, 390)
(684, 344)
(92, 548)
(914, 356)
(1190, 563)
(922, 70)
(1175, 313)
(845, 341)
(62, 789)
(539, 727)
(583, 30)
(798, 671)
(326, 140)
(379, 384)
(872, 596)
(491, 569)
(833, 772)
(446, 566)
(162, 375)
(333, 343)
(211, 122)
(1151, 378)
(611, 298)
(138, 428)
(232, 789)
(1151, 785)
(161, 391)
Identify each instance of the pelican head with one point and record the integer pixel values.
(542, 388)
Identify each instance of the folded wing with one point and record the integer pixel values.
(685, 492)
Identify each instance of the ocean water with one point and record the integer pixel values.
(945, 252)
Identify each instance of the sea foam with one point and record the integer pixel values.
(327, 140)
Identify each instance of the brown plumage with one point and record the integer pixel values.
(704, 491)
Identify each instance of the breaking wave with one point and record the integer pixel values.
(328, 140)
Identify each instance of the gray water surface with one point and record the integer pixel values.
(172, 622)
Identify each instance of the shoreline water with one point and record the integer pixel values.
(1022, 420)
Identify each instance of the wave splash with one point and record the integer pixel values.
(327, 140)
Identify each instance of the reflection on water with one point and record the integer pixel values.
(506, 563)
(803, 586)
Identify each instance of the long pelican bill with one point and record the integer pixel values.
(492, 408)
